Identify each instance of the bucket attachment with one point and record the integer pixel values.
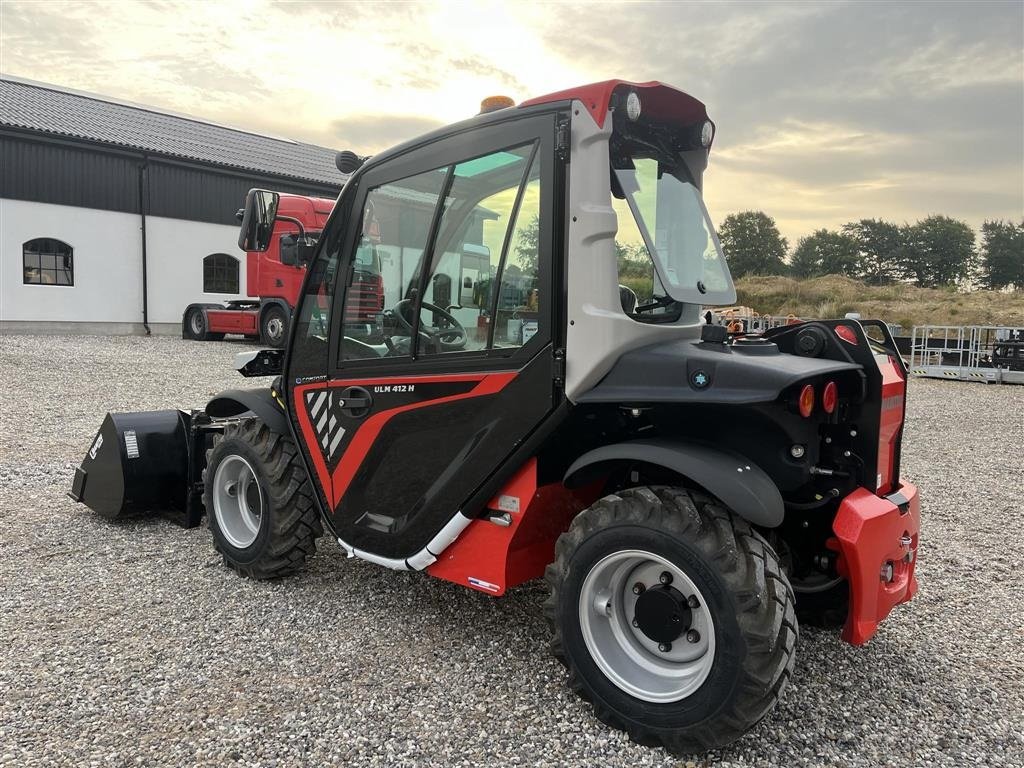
(138, 462)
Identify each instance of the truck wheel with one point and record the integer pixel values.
(274, 327)
(195, 327)
(672, 617)
(259, 502)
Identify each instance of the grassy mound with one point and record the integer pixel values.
(834, 295)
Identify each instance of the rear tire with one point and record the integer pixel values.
(195, 327)
(274, 327)
(259, 502)
(727, 570)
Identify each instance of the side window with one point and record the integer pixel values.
(47, 261)
(220, 273)
(378, 311)
(517, 313)
(643, 296)
(482, 292)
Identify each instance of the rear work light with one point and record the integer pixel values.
(806, 401)
(847, 334)
(830, 397)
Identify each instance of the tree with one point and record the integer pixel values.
(878, 246)
(752, 244)
(938, 251)
(825, 253)
(1002, 254)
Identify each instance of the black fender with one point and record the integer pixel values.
(235, 402)
(732, 478)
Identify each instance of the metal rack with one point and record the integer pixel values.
(993, 354)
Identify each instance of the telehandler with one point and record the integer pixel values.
(519, 411)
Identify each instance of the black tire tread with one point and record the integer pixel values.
(296, 521)
(750, 568)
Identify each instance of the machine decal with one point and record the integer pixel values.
(343, 452)
(328, 427)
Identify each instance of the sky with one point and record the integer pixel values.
(826, 112)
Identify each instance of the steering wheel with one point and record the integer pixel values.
(450, 338)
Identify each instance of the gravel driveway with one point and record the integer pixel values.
(131, 645)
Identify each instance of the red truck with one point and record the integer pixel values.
(274, 280)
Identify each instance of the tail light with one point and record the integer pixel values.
(806, 402)
(847, 334)
(830, 397)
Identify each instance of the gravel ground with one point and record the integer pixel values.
(131, 645)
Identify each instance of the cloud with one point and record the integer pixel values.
(826, 112)
(372, 133)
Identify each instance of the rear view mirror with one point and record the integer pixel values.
(258, 219)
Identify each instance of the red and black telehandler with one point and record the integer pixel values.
(516, 412)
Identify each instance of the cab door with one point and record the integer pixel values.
(427, 397)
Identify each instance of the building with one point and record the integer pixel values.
(115, 216)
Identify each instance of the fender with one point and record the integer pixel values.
(739, 483)
(234, 402)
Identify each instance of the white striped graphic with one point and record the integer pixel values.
(328, 429)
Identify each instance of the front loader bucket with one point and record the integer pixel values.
(138, 462)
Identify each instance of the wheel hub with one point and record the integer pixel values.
(663, 613)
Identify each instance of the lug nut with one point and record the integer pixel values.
(665, 578)
(638, 588)
(797, 451)
(693, 602)
(693, 636)
(664, 647)
(853, 433)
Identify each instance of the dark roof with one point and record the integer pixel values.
(52, 110)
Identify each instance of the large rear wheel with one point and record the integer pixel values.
(259, 503)
(673, 618)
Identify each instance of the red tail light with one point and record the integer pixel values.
(806, 401)
(830, 397)
(847, 334)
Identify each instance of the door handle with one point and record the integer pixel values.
(355, 402)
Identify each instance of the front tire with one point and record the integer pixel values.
(259, 502)
(274, 327)
(673, 618)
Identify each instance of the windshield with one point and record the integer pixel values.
(676, 231)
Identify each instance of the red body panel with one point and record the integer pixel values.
(656, 99)
(870, 533)
(893, 395)
(492, 558)
(233, 321)
(335, 484)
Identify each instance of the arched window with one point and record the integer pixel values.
(220, 273)
(48, 261)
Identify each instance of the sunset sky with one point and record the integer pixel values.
(826, 112)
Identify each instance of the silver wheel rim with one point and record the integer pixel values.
(275, 328)
(237, 501)
(623, 652)
(196, 321)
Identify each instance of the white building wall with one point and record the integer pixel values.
(107, 264)
(176, 249)
(108, 267)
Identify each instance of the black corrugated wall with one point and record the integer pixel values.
(53, 171)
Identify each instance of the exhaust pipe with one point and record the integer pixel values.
(140, 463)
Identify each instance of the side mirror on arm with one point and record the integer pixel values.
(258, 220)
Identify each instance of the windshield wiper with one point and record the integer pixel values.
(658, 303)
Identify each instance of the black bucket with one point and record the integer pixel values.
(138, 462)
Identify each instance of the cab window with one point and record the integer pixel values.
(482, 292)
(393, 233)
